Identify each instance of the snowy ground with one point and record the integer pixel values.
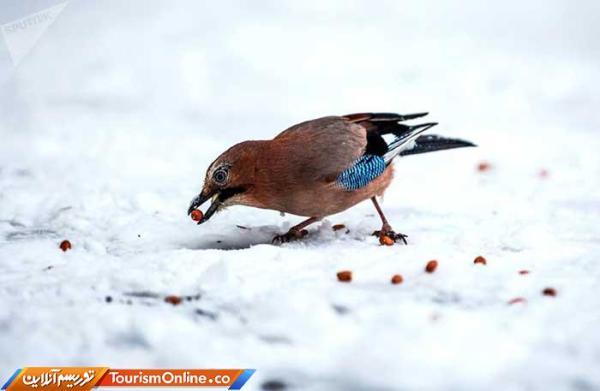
(106, 129)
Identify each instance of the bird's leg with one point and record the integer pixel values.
(386, 228)
(296, 232)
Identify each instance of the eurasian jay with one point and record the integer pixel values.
(318, 168)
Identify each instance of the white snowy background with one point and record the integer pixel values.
(107, 126)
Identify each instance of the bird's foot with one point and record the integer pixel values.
(396, 237)
(291, 235)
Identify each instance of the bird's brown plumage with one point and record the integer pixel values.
(319, 167)
(296, 172)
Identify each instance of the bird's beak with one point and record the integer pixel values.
(201, 199)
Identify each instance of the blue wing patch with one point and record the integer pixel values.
(363, 171)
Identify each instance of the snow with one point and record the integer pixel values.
(108, 125)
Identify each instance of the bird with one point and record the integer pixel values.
(318, 168)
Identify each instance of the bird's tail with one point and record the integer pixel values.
(405, 140)
(433, 143)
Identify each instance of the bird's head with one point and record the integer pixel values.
(228, 181)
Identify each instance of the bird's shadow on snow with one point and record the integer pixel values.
(239, 238)
(220, 242)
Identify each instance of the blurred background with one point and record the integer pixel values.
(110, 111)
(237, 69)
(505, 75)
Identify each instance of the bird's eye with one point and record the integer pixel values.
(220, 176)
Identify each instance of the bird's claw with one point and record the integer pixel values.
(396, 237)
(291, 235)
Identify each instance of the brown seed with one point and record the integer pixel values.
(337, 227)
(480, 260)
(172, 299)
(523, 272)
(397, 279)
(197, 215)
(386, 240)
(549, 292)
(483, 166)
(517, 300)
(65, 245)
(345, 276)
(431, 266)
